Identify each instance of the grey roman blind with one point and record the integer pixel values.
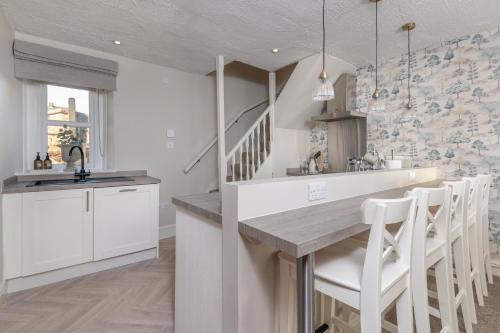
(47, 64)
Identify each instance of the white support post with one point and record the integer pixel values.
(272, 102)
(272, 88)
(221, 122)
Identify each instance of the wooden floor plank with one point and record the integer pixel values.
(137, 298)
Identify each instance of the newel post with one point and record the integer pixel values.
(221, 122)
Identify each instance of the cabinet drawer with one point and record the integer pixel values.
(125, 220)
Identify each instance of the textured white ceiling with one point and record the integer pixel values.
(188, 34)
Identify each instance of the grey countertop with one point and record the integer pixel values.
(207, 205)
(306, 230)
(301, 231)
(18, 184)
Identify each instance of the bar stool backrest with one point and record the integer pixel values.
(381, 243)
(432, 219)
(457, 208)
(484, 190)
(472, 199)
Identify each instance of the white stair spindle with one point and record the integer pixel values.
(258, 146)
(247, 159)
(252, 141)
(265, 136)
(241, 163)
(233, 157)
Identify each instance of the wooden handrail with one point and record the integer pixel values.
(212, 142)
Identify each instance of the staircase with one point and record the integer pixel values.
(253, 150)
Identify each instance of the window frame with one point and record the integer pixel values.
(38, 101)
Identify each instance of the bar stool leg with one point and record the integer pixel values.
(489, 270)
(476, 279)
(444, 281)
(404, 311)
(463, 286)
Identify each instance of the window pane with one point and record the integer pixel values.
(67, 104)
(60, 141)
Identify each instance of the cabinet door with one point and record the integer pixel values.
(125, 220)
(57, 229)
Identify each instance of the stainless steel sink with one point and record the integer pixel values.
(62, 182)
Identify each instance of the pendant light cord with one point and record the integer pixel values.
(324, 38)
(376, 46)
(409, 68)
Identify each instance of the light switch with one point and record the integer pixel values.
(317, 191)
(170, 145)
(170, 133)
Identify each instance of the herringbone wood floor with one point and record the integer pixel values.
(137, 298)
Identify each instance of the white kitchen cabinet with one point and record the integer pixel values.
(57, 229)
(125, 220)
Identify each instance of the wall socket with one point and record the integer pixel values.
(412, 176)
(170, 145)
(317, 191)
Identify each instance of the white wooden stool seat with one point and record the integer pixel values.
(342, 264)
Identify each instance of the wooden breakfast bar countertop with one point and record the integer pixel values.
(303, 231)
(300, 231)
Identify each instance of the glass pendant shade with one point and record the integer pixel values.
(324, 89)
(376, 104)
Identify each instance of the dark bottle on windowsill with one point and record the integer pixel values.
(38, 163)
(47, 163)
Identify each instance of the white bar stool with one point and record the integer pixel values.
(431, 248)
(457, 251)
(372, 279)
(485, 269)
(368, 279)
(471, 239)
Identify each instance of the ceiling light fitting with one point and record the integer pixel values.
(376, 103)
(409, 27)
(276, 50)
(117, 42)
(324, 88)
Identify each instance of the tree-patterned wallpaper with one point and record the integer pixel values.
(455, 119)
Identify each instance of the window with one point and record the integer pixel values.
(65, 117)
(68, 124)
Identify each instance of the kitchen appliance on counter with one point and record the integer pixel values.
(347, 127)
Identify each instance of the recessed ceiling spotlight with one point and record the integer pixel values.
(117, 42)
(275, 50)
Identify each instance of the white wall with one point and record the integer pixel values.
(10, 113)
(151, 98)
(295, 107)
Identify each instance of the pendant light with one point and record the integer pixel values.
(409, 27)
(324, 89)
(376, 103)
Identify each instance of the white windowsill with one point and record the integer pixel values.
(56, 172)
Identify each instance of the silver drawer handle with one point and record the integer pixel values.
(129, 190)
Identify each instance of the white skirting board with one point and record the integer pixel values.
(167, 231)
(41, 279)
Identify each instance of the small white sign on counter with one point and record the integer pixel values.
(317, 191)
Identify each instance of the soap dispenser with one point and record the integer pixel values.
(47, 163)
(38, 163)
